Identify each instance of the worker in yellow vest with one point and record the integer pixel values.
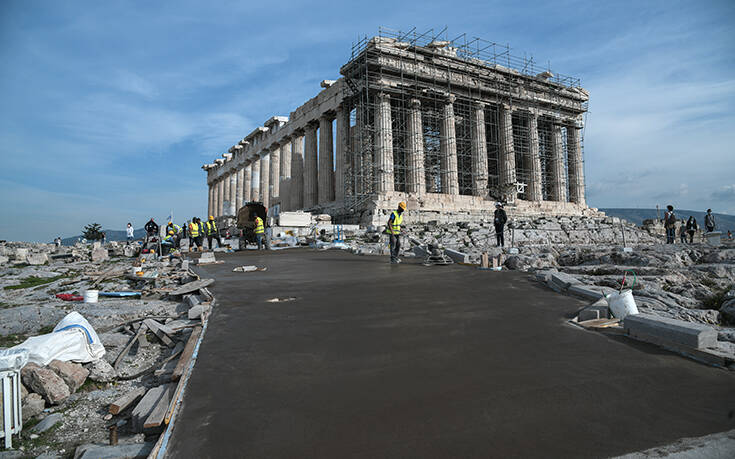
(194, 236)
(394, 232)
(259, 232)
(211, 229)
(177, 232)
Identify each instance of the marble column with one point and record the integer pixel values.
(233, 193)
(246, 184)
(479, 150)
(310, 166)
(326, 160)
(558, 174)
(285, 178)
(265, 179)
(296, 201)
(575, 165)
(274, 185)
(343, 138)
(240, 187)
(507, 158)
(226, 193)
(220, 196)
(448, 149)
(255, 179)
(416, 176)
(534, 188)
(210, 200)
(383, 145)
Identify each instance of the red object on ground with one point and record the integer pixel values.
(69, 297)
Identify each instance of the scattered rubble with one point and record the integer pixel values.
(142, 322)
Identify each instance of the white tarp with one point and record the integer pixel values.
(13, 359)
(73, 339)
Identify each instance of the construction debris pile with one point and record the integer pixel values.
(148, 315)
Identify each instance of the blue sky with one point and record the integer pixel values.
(110, 108)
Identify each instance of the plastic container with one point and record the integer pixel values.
(622, 304)
(91, 296)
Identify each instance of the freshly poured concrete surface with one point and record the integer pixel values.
(379, 360)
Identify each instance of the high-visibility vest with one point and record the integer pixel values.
(194, 230)
(395, 225)
(176, 228)
(259, 228)
(169, 238)
(211, 227)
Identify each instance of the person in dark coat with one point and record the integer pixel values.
(499, 221)
(709, 221)
(670, 224)
(691, 228)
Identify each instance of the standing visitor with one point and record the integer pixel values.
(691, 228)
(130, 231)
(709, 221)
(499, 221)
(683, 232)
(670, 224)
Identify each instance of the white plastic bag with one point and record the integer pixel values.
(622, 304)
(73, 339)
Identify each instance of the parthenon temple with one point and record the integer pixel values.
(449, 126)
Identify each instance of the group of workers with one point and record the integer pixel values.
(195, 231)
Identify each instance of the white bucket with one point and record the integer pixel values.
(622, 304)
(91, 296)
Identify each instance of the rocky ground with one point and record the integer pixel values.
(68, 404)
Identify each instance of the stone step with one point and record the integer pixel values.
(646, 327)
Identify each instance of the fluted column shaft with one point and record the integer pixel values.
(246, 184)
(534, 189)
(297, 172)
(507, 161)
(416, 176)
(275, 175)
(340, 162)
(240, 187)
(558, 176)
(285, 179)
(576, 165)
(383, 145)
(326, 160)
(220, 196)
(310, 166)
(265, 179)
(255, 180)
(233, 193)
(448, 149)
(225, 193)
(210, 199)
(479, 151)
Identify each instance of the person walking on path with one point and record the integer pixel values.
(259, 232)
(194, 241)
(499, 221)
(670, 224)
(212, 233)
(151, 228)
(130, 231)
(394, 232)
(691, 228)
(683, 232)
(709, 221)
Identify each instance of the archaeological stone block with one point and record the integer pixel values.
(647, 327)
(100, 254)
(73, 374)
(45, 382)
(37, 259)
(33, 405)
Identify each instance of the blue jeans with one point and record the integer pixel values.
(259, 240)
(670, 235)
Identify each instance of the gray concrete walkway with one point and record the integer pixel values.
(373, 360)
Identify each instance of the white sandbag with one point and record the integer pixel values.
(622, 304)
(73, 339)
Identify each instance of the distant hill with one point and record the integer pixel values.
(724, 222)
(112, 235)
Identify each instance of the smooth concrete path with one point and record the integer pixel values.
(372, 360)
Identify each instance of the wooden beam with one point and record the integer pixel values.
(186, 355)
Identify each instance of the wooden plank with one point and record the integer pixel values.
(126, 400)
(156, 329)
(164, 366)
(143, 409)
(141, 330)
(192, 286)
(155, 419)
(186, 355)
(599, 323)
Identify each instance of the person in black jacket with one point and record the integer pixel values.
(499, 221)
(691, 228)
(151, 228)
